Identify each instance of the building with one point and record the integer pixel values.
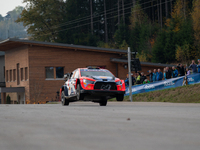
(34, 70)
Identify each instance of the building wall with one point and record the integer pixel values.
(41, 89)
(2, 65)
(12, 58)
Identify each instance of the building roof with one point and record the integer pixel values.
(125, 61)
(14, 43)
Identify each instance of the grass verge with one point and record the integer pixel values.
(184, 94)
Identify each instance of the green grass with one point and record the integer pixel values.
(185, 94)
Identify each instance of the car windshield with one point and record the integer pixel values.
(96, 73)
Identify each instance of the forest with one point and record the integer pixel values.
(162, 31)
(9, 28)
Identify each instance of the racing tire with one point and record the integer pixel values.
(103, 101)
(65, 102)
(120, 97)
(79, 96)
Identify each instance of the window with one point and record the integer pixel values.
(4, 72)
(14, 74)
(10, 75)
(26, 73)
(7, 75)
(49, 72)
(59, 72)
(54, 72)
(22, 74)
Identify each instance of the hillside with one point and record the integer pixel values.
(186, 94)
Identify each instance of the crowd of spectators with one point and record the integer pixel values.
(158, 75)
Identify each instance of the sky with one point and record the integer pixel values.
(8, 5)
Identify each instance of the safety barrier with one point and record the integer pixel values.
(164, 84)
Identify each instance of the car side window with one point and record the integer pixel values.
(76, 74)
(73, 74)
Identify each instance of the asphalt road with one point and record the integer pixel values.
(87, 126)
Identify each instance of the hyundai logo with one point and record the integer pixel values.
(106, 87)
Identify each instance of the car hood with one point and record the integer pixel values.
(103, 78)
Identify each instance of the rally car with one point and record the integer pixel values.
(91, 84)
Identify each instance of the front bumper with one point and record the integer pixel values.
(102, 92)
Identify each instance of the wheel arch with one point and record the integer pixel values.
(77, 82)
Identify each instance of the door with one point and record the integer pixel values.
(18, 80)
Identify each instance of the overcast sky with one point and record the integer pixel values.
(8, 5)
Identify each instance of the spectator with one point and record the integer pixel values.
(138, 78)
(193, 66)
(142, 78)
(198, 66)
(181, 69)
(127, 80)
(154, 75)
(159, 75)
(174, 72)
(146, 81)
(168, 73)
(164, 73)
(150, 76)
(187, 71)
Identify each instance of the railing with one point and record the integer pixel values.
(164, 84)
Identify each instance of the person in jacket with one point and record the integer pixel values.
(146, 81)
(198, 66)
(142, 78)
(138, 78)
(127, 80)
(154, 75)
(181, 69)
(168, 73)
(187, 72)
(159, 75)
(150, 76)
(164, 73)
(193, 66)
(174, 72)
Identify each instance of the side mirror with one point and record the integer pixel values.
(66, 76)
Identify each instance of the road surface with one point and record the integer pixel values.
(87, 126)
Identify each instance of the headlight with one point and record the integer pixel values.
(88, 81)
(119, 83)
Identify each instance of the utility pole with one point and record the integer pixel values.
(129, 73)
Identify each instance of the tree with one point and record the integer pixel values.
(105, 20)
(41, 18)
(196, 23)
(91, 11)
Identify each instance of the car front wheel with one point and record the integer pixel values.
(103, 101)
(79, 96)
(65, 102)
(120, 97)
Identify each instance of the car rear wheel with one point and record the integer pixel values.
(120, 97)
(103, 101)
(65, 102)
